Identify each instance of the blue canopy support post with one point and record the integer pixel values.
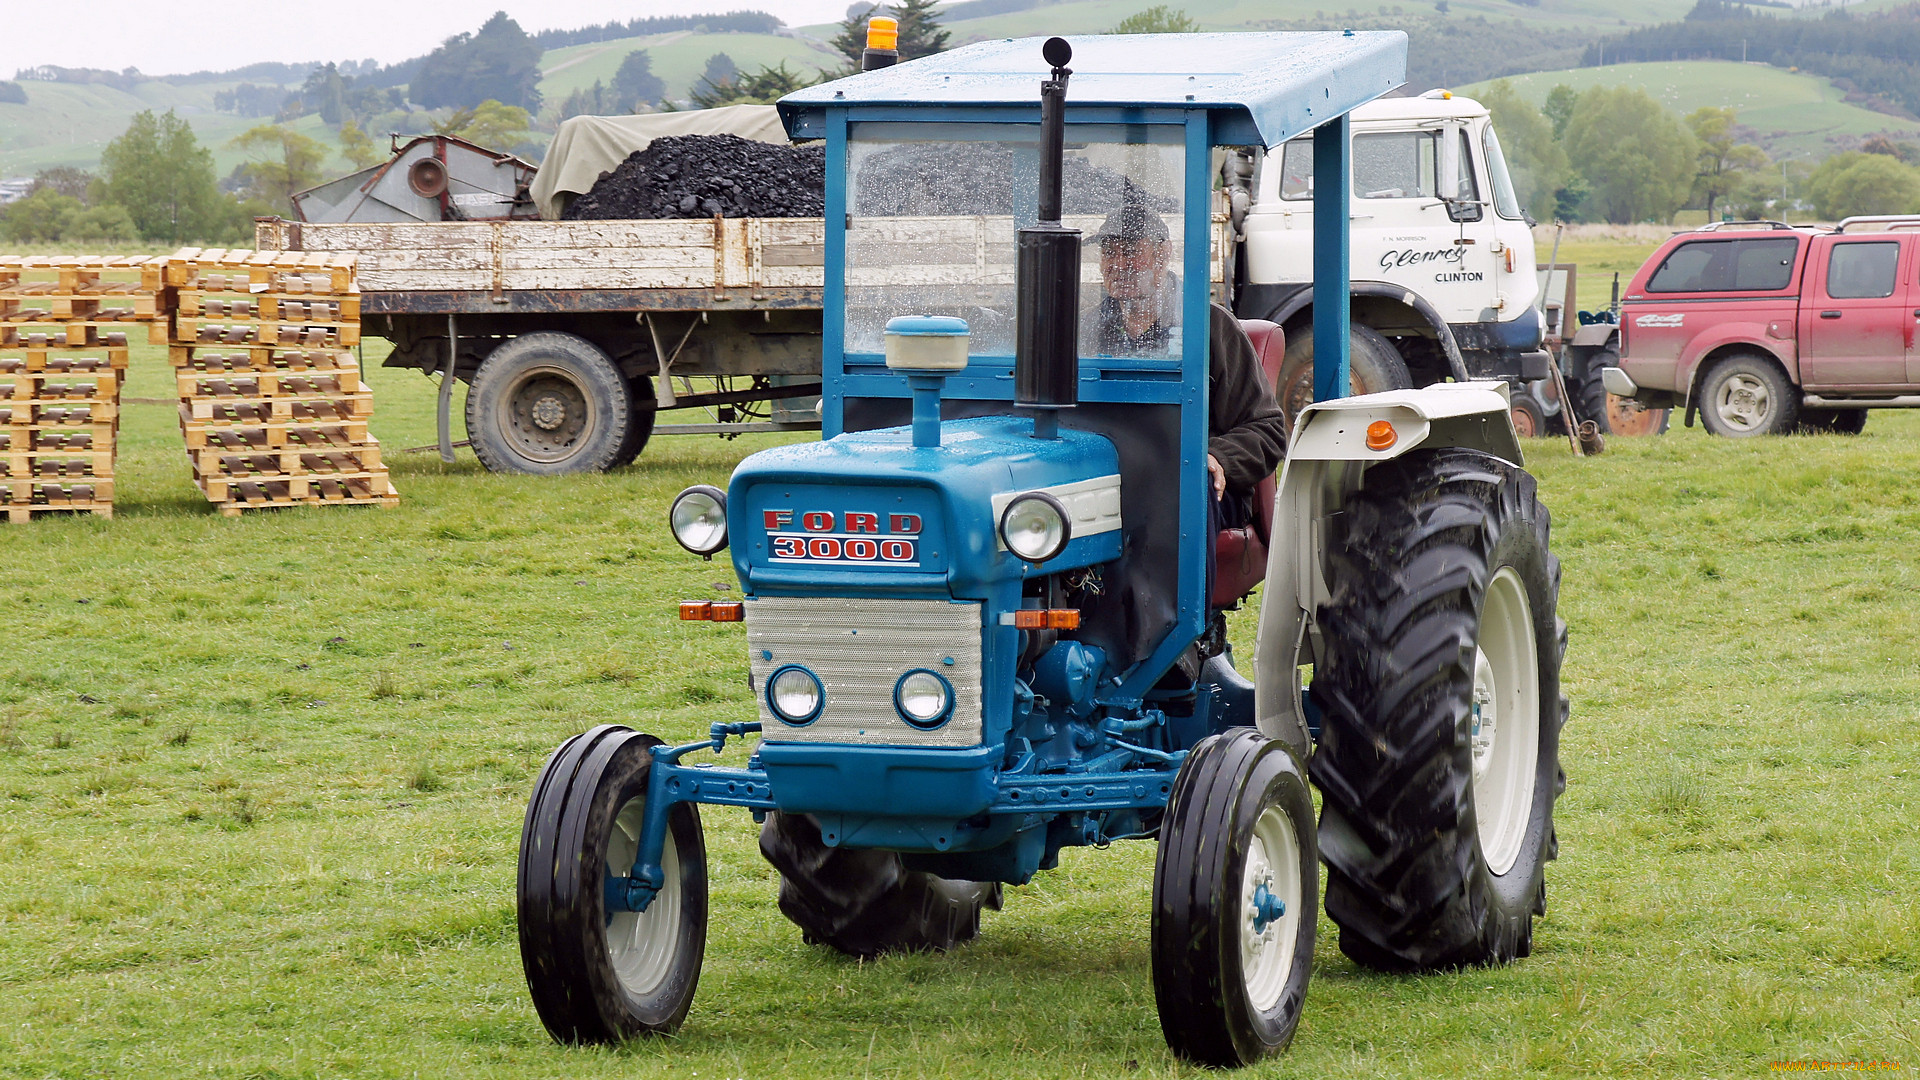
(1332, 257)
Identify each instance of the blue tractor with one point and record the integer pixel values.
(982, 613)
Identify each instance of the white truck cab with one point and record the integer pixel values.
(1444, 280)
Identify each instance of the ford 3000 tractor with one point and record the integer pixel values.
(982, 613)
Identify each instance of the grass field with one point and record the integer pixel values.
(263, 779)
(71, 123)
(678, 59)
(1794, 114)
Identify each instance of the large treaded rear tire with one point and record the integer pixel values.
(1408, 881)
(1589, 393)
(865, 903)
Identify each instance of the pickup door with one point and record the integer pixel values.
(1857, 313)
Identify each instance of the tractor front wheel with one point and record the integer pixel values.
(601, 974)
(1236, 886)
(1439, 689)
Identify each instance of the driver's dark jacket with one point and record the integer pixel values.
(1248, 434)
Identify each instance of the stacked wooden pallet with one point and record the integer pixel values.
(271, 402)
(63, 359)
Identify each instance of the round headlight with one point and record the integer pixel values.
(924, 699)
(795, 695)
(699, 519)
(1035, 527)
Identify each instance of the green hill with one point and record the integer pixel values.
(678, 59)
(70, 123)
(1793, 114)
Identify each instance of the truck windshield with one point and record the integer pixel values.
(1505, 203)
(1386, 165)
(934, 209)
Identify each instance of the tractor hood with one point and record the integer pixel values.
(869, 512)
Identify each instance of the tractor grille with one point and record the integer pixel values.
(859, 649)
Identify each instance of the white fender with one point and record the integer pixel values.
(1328, 458)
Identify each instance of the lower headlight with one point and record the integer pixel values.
(795, 695)
(699, 519)
(1035, 526)
(924, 698)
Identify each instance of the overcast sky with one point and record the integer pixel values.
(168, 39)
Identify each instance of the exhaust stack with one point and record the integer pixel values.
(1046, 367)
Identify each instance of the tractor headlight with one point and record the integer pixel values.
(699, 519)
(1035, 527)
(795, 695)
(924, 699)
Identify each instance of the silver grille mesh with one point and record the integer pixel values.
(859, 649)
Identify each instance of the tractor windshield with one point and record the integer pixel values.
(933, 212)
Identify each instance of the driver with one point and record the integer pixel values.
(1139, 315)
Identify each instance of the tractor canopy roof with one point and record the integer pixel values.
(1277, 84)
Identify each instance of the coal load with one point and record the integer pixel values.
(698, 176)
(977, 179)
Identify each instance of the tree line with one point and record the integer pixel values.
(1615, 154)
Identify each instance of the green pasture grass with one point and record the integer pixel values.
(678, 59)
(71, 123)
(261, 783)
(1795, 114)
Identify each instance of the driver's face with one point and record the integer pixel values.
(1131, 269)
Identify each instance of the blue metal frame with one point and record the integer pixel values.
(1332, 256)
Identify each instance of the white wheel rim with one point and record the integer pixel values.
(1744, 402)
(643, 945)
(1505, 720)
(1266, 953)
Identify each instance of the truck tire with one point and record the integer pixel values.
(1373, 365)
(599, 976)
(1833, 421)
(1745, 395)
(1439, 758)
(549, 404)
(865, 903)
(646, 409)
(1235, 890)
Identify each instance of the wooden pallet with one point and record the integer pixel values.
(60, 414)
(74, 335)
(265, 384)
(76, 275)
(275, 494)
(18, 514)
(50, 359)
(284, 435)
(368, 484)
(60, 385)
(57, 438)
(307, 408)
(21, 492)
(140, 307)
(201, 304)
(260, 358)
(280, 271)
(283, 335)
(57, 464)
(280, 464)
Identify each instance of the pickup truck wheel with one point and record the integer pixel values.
(549, 404)
(1235, 891)
(1743, 396)
(1439, 691)
(598, 975)
(639, 422)
(864, 902)
(1373, 365)
(1833, 421)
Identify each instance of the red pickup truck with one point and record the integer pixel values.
(1763, 327)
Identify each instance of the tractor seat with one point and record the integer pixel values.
(1240, 554)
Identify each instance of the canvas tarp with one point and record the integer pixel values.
(587, 146)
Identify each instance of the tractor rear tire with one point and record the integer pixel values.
(1439, 759)
(1589, 393)
(1229, 971)
(549, 404)
(865, 903)
(598, 976)
(1373, 365)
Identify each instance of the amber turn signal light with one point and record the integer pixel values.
(1047, 618)
(1381, 436)
(713, 611)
